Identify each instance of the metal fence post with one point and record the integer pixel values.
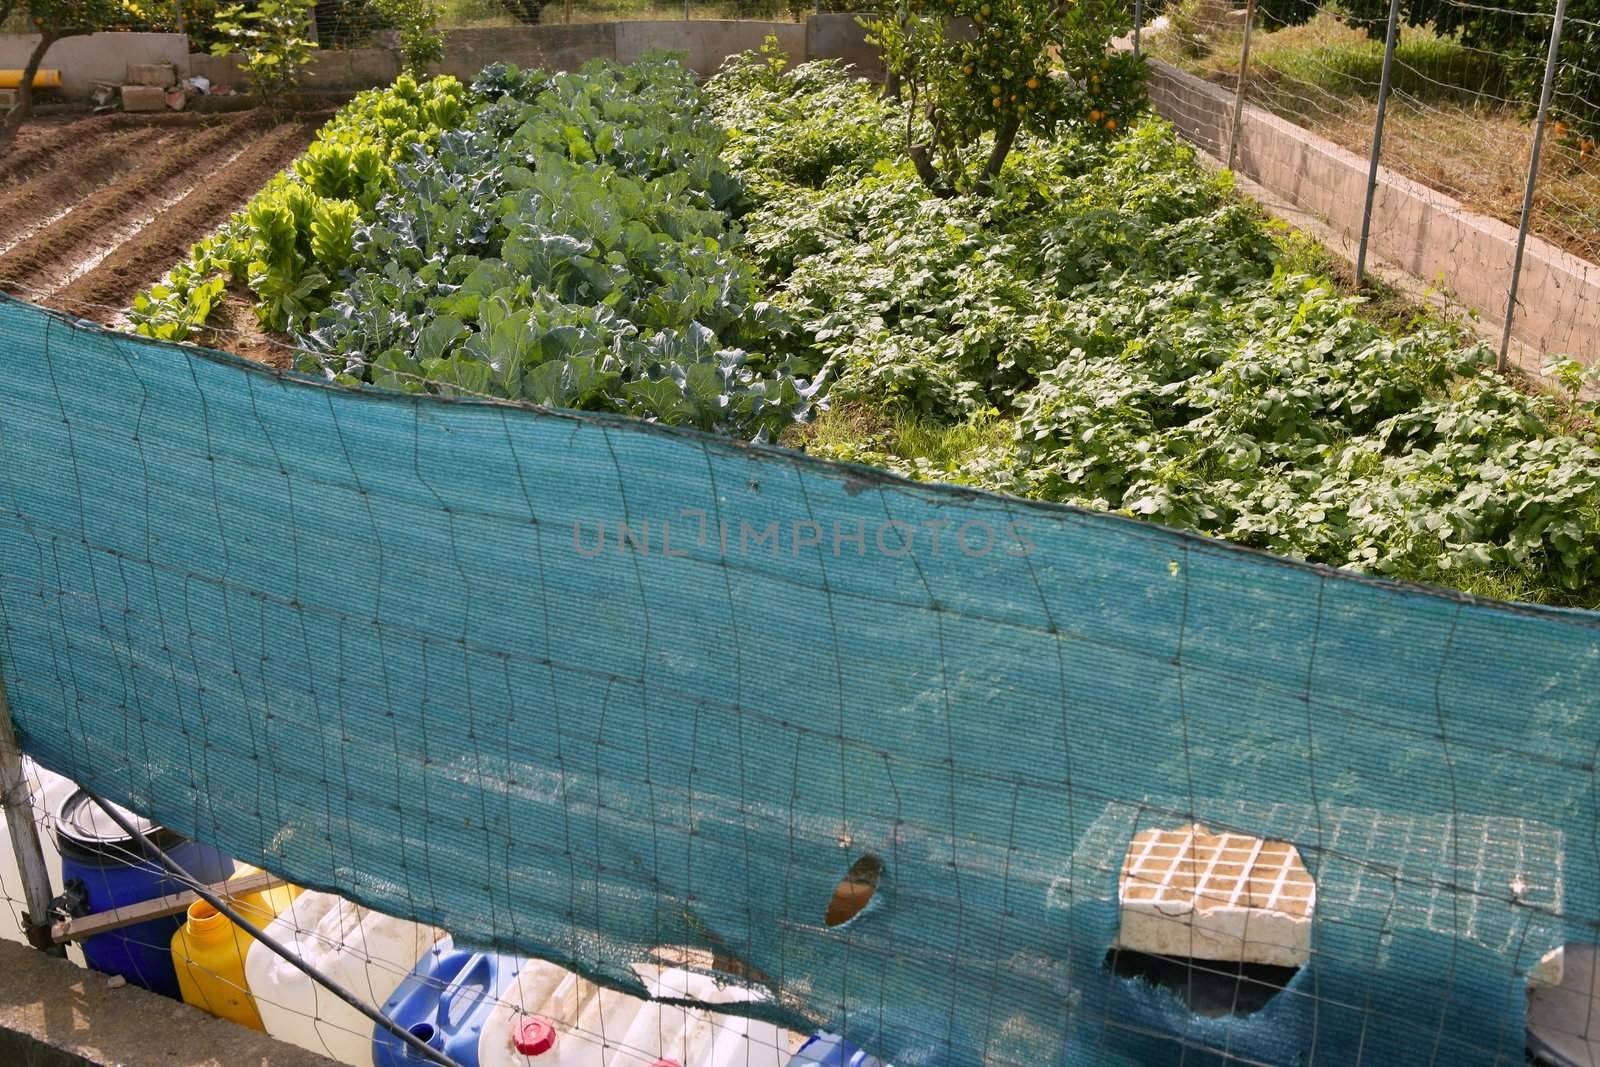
(1377, 137)
(1550, 65)
(24, 834)
(1138, 19)
(1244, 73)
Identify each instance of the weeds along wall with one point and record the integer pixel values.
(582, 686)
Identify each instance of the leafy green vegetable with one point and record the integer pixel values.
(296, 235)
(1115, 329)
(570, 245)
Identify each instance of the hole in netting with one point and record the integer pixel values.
(854, 890)
(1206, 987)
(1222, 920)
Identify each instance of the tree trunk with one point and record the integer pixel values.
(891, 85)
(24, 106)
(922, 159)
(1004, 138)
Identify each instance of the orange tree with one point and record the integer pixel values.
(974, 68)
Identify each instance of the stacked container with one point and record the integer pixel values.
(105, 866)
(830, 1050)
(209, 951)
(366, 952)
(445, 1003)
(553, 1018)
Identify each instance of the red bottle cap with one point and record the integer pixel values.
(534, 1037)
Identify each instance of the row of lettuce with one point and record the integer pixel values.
(1113, 328)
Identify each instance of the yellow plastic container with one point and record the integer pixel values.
(208, 952)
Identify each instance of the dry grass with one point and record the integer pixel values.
(1450, 123)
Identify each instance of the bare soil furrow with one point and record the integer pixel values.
(43, 261)
(141, 259)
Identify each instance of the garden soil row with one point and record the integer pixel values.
(104, 212)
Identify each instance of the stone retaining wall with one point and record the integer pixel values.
(1420, 230)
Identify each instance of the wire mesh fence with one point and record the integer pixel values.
(1460, 97)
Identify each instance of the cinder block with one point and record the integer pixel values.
(1228, 896)
(8, 100)
(143, 98)
(160, 75)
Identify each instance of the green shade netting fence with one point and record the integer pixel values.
(583, 686)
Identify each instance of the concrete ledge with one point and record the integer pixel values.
(98, 57)
(466, 52)
(53, 1014)
(706, 43)
(1421, 230)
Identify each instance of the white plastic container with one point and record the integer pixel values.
(693, 1037)
(553, 1018)
(46, 790)
(366, 952)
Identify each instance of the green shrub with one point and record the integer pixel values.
(271, 35)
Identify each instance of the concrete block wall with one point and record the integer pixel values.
(1420, 230)
(553, 47)
(707, 42)
(97, 57)
(840, 36)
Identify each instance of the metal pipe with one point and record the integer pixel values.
(1377, 137)
(1550, 65)
(1138, 19)
(24, 834)
(1244, 71)
(204, 892)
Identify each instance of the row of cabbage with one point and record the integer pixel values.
(561, 240)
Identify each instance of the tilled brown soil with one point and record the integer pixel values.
(96, 209)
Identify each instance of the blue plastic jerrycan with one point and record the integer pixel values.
(445, 1001)
(829, 1050)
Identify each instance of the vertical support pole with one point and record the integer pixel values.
(1377, 138)
(177, 15)
(1244, 74)
(1550, 66)
(568, 12)
(24, 834)
(1138, 22)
